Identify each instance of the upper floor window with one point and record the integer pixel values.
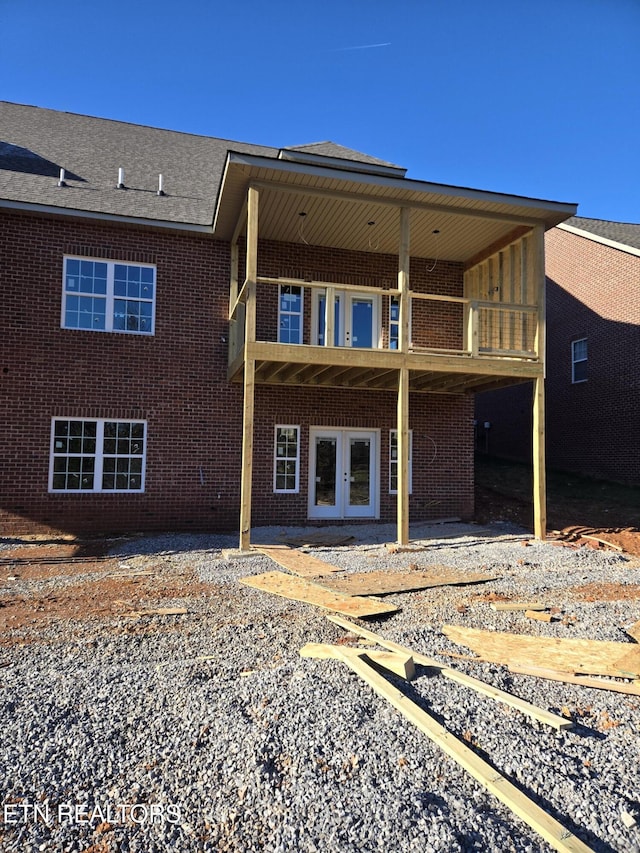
(97, 455)
(579, 360)
(394, 322)
(107, 296)
(290, 314)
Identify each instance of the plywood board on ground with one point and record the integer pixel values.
(297, 561)
(322, 538)
(591, 657)
(383, 583)
(300, 589)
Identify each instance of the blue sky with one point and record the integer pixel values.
(533, 97)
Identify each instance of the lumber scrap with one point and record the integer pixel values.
(539, 615)
(322, 538)
(399, 664)
(557, 835)
(633, 631)
(301, 589)
(588, 657)
(383, 583)
(297, 561)
(516, 605)
(527, 708)
(159, 611)
(633, 688)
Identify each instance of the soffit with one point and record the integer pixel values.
(338, 207)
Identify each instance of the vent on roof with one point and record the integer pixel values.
(120, 185)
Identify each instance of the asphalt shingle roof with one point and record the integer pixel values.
(627, 233)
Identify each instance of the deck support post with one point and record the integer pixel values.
(249, 370)
(539, 456)
(403, 380)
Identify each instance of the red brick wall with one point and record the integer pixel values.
(593, 292)
(176, 381)
(592, 427)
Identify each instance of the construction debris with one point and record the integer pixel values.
(632, 688)
(399, 664)
(558, 836)
(300, 589)
(476, 684)
(590, 657)
(297, 561)
(516, 605)
(383, 583)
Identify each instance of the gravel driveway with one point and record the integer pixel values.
(208, 732)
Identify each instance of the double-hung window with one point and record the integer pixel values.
(290, 314)
(107, 296)
(286, 465)
(97, 455)
(393, 461)
(579, 357)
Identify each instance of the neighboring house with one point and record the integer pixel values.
(593, 358)
(205, 334)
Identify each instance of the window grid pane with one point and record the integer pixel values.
(286, 465)
(96, 455)
(91, 286)
(290, 314)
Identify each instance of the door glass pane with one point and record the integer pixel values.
(362, 323)
(359, 480)
(325, 485)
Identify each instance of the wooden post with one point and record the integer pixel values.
(403, 381)
(249, 371)
(329, 316)
(536, 250)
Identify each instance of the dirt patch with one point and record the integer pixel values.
(606, 592)
(72, 584)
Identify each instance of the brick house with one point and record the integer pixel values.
(209, 335)
(593, 358)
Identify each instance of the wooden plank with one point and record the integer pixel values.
(539, 615)
(516, 605)
(633, 631)
(590, 657)
(399, 664)
(300, 589)
(325, 538)
(554, 833)
(297, 561)
(583, 680)
(383, 583)
(533, 711)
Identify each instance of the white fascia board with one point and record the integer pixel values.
(406, 184)
(105, 217)
(630, 250)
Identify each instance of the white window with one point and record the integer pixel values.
(394, 322)
(290, 314)
(286, 463)
(107, 296)
(90, 455)
(393, 461)
(579, 360)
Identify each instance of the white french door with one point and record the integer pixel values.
(343, 473)
(355, 319)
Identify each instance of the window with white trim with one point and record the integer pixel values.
(394, 322)
(108, 296)
(290, 314)
(97, 455)
(286, 463)
(579, 357)
(393, 461)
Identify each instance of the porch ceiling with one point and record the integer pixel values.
(360, 211)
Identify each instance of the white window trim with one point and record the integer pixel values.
(277, 458)
(299, 313)
(109, 297)
(393, 462)
(575, 360)
(99, 458)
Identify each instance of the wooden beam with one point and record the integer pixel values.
(532, 711)
(539, 464)
(498, 246)
(249, 371)
(553, 832)
(401, 665)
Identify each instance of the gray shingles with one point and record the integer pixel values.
(35, 143)
(627, 233)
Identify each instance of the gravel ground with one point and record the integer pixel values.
(208, 732)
